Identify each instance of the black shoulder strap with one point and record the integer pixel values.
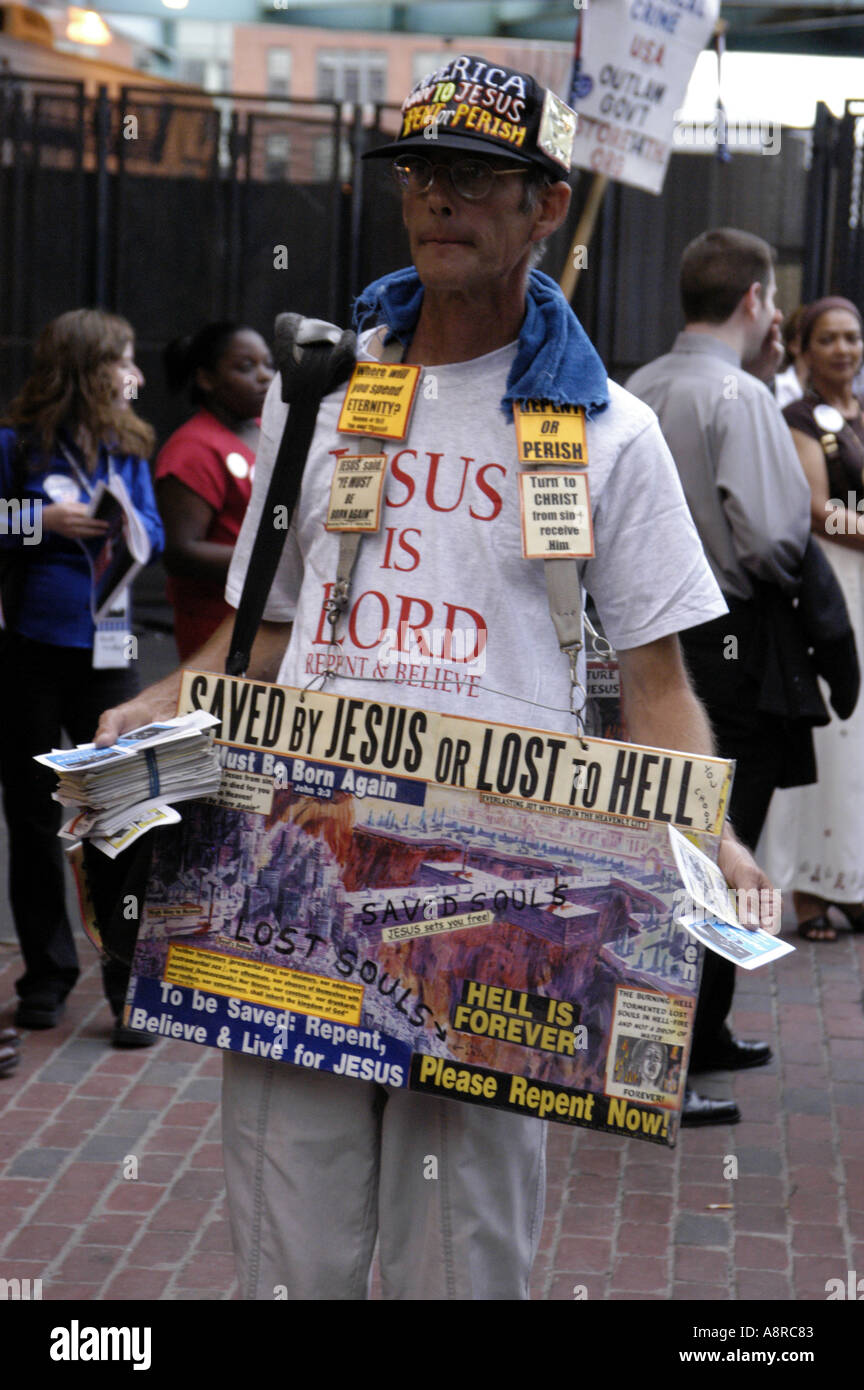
(313, 359)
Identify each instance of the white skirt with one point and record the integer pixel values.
(813, 839)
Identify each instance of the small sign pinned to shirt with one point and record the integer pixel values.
(556, 515)
(356, 492)
(379, 400)
(547, 433)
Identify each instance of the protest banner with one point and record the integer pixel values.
(473, 910)
(636, 59)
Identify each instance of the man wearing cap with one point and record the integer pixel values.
(319, 1167)
(751, 505)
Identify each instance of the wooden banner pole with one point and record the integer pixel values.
(582, 236)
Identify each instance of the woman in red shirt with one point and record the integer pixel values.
(204, 471)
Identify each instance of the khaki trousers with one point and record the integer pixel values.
(318, 1166)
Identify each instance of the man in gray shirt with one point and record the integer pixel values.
(751, 505)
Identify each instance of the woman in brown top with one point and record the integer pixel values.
(814, 837)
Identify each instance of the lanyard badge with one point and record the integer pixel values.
(111, 645)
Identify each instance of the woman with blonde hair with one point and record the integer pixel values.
(70, 428)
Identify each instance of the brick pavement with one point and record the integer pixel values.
(79, 1119)
(625, 1220)
(631, 1221)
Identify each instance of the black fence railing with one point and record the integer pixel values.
(848, 250)
(834, 233)
(173, 206)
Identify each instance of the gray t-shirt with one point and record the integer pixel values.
(447, 559)
(741, 476)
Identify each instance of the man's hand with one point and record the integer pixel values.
(759, 898)
(160, 701)
(146, 708)
(766, 364)
(661, 710)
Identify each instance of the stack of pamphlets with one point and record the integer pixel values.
(124, 790)
(720, 928)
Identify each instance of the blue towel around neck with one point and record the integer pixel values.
(555, 360)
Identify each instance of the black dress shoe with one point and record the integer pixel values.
(699, 1110)
(121, 1036)
(38, 1012)
(733, 1054)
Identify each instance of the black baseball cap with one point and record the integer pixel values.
(481, 107)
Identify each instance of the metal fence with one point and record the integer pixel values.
(637, 302)
(835, 206)
(170, 209)
(174, 207)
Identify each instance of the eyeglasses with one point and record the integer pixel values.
(470, 178)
